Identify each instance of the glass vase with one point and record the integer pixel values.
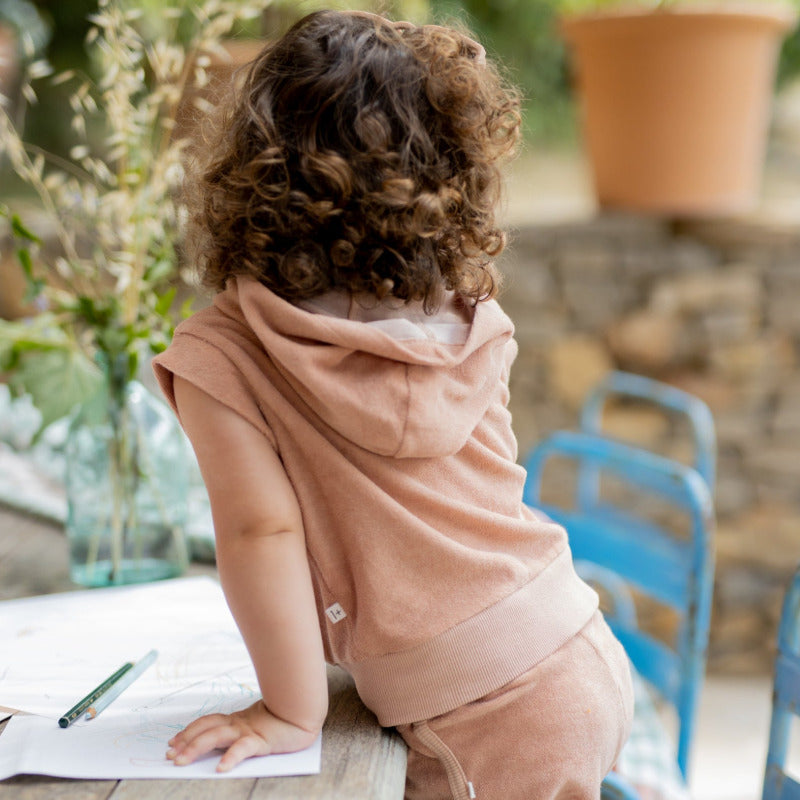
(126, 485)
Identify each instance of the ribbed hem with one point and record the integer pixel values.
(482, 653)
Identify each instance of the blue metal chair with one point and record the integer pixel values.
(619, 549)
(674, 571)
(785, 699)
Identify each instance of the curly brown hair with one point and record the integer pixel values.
(361, 155)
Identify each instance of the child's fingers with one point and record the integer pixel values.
(197, 727)
(245, 747)
(220, 736)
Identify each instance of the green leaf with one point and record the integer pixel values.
(33, 286)
(57, 380)
(25, 261)
(96, 313)
(41, 332)
(114, 340)
(159, 271)
(186, 308)
(22, 232)
(164, 302)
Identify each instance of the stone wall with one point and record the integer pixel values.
(713, 308)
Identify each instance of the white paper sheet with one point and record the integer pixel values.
(55, 649)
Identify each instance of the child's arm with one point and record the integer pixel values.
(261, 557)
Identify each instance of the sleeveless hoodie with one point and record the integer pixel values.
(434, 584)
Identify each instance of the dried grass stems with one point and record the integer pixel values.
(114, 203)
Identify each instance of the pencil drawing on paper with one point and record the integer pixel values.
(203, 667)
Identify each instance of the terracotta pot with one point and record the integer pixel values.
(676, 104)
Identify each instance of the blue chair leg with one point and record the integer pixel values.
(615, 787)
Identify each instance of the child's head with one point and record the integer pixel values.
(359, 155)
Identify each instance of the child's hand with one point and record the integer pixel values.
(251, 732)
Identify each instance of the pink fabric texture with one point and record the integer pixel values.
(551, 734)
(435, 585)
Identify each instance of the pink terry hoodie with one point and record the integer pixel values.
(434, 584)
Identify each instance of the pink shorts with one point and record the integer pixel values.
(554, 732)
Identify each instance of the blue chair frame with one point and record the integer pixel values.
(785, 699)
(615, 787)
(674, 571)
(668, 399)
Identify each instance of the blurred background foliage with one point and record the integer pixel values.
(520, 34)
(523, 36)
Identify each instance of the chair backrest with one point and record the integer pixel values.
(785, 698)
(674, 570)
(666, 397)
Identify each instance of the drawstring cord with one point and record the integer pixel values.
(461, 788)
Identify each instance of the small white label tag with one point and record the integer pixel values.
(335, 613)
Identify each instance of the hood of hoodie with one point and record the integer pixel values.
(385, 376)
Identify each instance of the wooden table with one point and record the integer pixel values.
(360, 760)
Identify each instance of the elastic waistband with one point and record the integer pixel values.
(482, 653)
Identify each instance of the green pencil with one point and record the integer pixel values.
(81, 706)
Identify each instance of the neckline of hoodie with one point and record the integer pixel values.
(403, 322)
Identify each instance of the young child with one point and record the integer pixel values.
(346, 397)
